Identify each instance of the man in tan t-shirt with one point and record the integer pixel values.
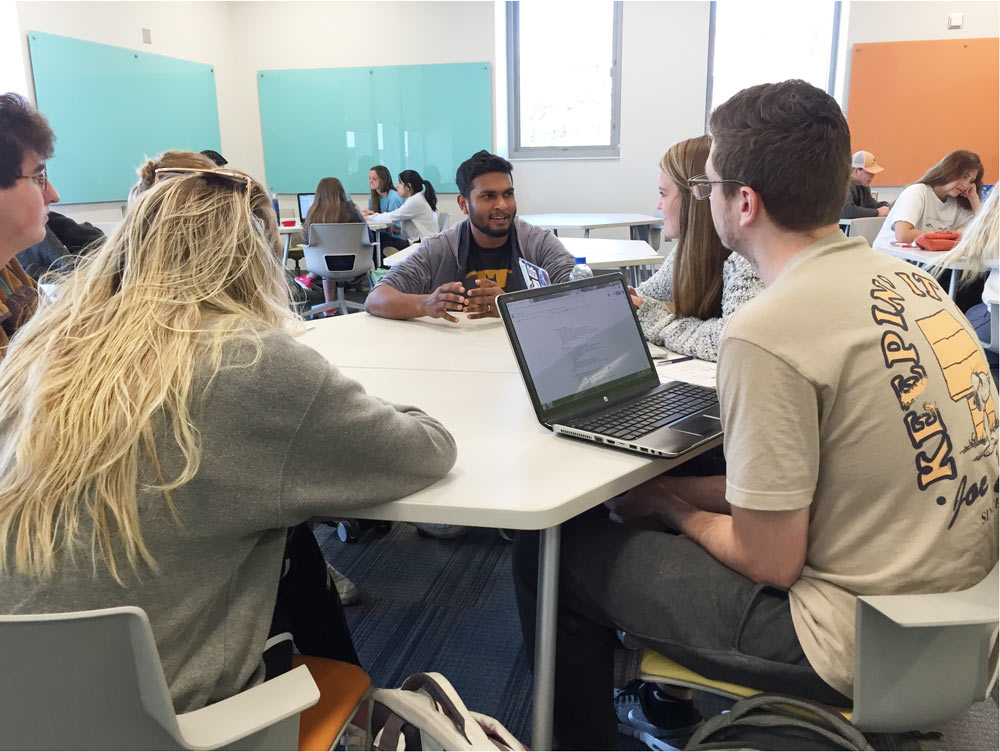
(861, 452)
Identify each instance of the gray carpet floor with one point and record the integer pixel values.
(448, 606)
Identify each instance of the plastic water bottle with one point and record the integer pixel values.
(581, 270)
(274, 202)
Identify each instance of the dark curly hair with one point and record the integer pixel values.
(22, 129)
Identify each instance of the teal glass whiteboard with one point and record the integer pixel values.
(339, 122)
(111, 107)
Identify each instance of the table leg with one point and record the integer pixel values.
(953, 285)
(284, 253)
(545, 639)
(586, 232)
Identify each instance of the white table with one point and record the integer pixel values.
(925, 258)
(444, 368)
(640, 225)
(633, 256)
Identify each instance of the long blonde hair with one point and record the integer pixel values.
(111, 361)
(977, 248)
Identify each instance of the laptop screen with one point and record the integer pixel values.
(580, 343)
(305, 201)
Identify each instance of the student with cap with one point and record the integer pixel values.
(860, 203)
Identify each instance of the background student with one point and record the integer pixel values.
(332, 205)
(384, 199)
(701, 283)
(945, 198)
(417, 212)
(859, 202)
(124, 400)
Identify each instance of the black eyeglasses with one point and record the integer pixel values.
(40, 179)
(701, 186)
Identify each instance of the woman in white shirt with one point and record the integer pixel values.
(945, 198)
(417, 212)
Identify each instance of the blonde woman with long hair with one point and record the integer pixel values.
(977, 252)
(158, 433)
(701, 283)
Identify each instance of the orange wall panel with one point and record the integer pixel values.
(911, 103)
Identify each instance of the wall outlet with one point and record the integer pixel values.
(956, 20)
(147, 36)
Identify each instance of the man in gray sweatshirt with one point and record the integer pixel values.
(464, 268)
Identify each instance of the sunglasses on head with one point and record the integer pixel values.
(236, 178)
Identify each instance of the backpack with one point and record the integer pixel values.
(426, 713)
(777, 722)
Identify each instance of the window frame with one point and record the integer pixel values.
(611, 150)
(831, 83)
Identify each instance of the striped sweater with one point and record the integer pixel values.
(690, 335)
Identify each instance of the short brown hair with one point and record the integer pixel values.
(789, 142)
(22, 129)
(953, 166)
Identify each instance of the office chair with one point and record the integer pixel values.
(919, 661)
(93, 680)
(866, 227)
(342, 253)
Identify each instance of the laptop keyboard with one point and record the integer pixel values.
(650, 413)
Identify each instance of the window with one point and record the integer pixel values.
(564, 79)
(770, 40)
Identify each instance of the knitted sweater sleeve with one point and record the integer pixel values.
(690, 335)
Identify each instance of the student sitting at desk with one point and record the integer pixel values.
(945, 198)
(859, 196)
(159, 428)
(417, 212)
(686, 304)
(831, 489)
(384, 198)
(465, 267)
(25, 195)
(332, 205)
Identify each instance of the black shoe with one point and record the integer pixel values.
(654, 718)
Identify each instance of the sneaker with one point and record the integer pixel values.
(305, 282)
(346, 589)
(653, 718)
(441, 531)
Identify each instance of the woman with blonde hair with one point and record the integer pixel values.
(976, 253)
(157, 434)
(701, 283)
(173, 158)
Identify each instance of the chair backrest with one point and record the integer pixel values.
(867, 228)
(84, 680)
(922, 660)
(339, 251)
(443, 218)
(994, 327)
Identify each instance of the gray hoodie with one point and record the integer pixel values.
(443, 258)
(282, 441)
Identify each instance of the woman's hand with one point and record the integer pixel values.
(636, 297)
(366, 213)
(973, 195)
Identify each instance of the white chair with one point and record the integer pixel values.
(93, 680)
(866, 227)
(443, 218)
(341, 253)
(919, 662)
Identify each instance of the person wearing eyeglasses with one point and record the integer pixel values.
(158, 435)
(686, 303)
(861, 454)
(25, 195)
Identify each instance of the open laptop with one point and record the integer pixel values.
(305, 201)
(589, 373)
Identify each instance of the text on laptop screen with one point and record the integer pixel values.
(579, 340)
(305, 201)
